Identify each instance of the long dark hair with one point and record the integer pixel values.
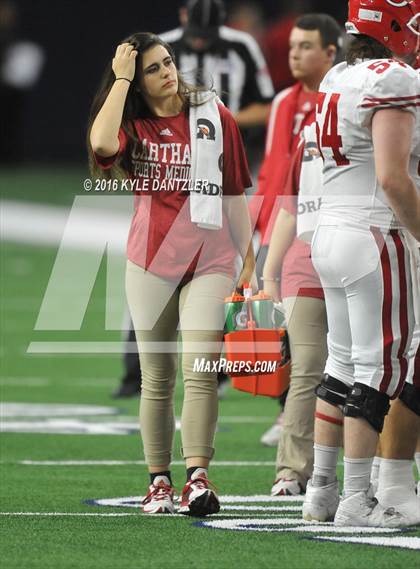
(365, 47)
(135, 106)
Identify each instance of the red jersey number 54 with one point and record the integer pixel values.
(328, 136)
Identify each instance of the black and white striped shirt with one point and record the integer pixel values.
(234, 65)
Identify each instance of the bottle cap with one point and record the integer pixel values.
(261, 295)
(236, 297)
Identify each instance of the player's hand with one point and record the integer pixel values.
(124, 62)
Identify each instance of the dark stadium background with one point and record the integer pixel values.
(78, 37)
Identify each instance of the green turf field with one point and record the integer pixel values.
(71, 500)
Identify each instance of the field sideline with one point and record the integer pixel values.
(72, 470)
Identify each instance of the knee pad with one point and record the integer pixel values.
(410, 396)
(332, 390)
(364, 401)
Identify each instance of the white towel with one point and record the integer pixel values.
(310, 186)
(206, 136)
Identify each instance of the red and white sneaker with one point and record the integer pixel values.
(197, 498)
(160, 498)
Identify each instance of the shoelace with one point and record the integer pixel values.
(159, 492)
(202, 483)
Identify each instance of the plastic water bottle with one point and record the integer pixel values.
(235, 313)
(262, 310)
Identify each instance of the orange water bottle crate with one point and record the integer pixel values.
(249, 348)
(262, 346)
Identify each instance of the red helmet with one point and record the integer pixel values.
(394, 23)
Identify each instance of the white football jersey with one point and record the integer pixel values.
(349, 96)
(415, 156)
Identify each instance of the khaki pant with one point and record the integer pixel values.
(307, 328)
(198, 309)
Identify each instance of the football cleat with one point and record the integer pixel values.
(198, 498)
(286, 487)
(404, 500)
(321, 502)
(160, 498)
(362, 511)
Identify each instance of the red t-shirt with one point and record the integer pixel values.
(291, 111)
(162, 238)
(298, 276)
(305, 108)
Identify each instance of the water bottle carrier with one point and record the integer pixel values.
(249, 351)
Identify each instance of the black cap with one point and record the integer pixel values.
(204, 18)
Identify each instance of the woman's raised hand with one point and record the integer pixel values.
(124, 62)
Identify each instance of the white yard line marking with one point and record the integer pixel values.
(24, 381)
(264, 508)
(129, 463)
(297, 525)
(41, 224)
(259, 498)
(234, 501)
(401, 542)
(243, 419)
(90, 382)
(13, 410)
(76, 348)
(113, 347)
(235, 463)
(225, 463)
(116, 514)
(112, 514)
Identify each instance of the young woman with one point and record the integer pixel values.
(148, 125)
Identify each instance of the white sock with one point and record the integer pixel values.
(396, 482)
(356, 475)
(417, 459)
(325, 465)
(374, 475)
(198, 472)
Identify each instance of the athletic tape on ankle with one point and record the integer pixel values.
(328, 419)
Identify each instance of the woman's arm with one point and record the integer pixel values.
(284, 232)
(236, 210)
(104, 132)
(392, 133)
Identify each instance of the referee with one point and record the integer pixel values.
(210, 54)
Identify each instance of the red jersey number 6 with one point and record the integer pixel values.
(330, 137)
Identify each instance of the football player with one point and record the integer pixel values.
(368, 127)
